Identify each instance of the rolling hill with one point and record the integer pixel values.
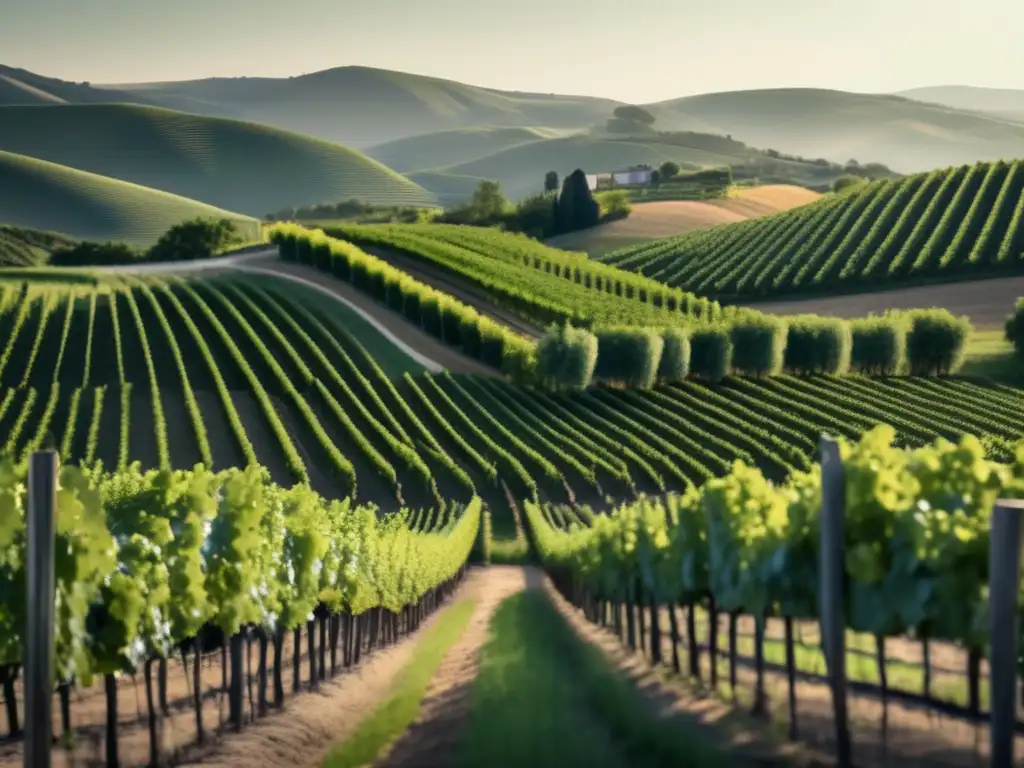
(444, 148)
(904, 134)
(650, 221)
(364, 106)
(1004, 102)
(227, 163)
(41, 195)
(19, 86)
(25, 247)
(950, 224)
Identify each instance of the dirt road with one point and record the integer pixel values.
(985, 302)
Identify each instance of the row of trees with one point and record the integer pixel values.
(918, 342)
(194, 239)
(543, 215)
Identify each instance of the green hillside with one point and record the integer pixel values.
(227, 163)
(364, 106)
(444, 148)
(904, 134)
(1003, 102)
(19, 86)
(945, 225)
(43, 195)
(24, 247)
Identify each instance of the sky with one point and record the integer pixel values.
(631, 50)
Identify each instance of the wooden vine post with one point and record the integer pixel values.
(831, 579)
(1004, 581)
(41, 529)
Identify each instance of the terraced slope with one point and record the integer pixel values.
(231, 164)
(41, 195)
(23, 247)
(238, 368)
(950, 224)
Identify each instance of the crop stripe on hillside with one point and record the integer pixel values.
(292, 459)
(952, 216)
(93, 435)
(43, 426)
(499, 454)
(237, 430)
(24, 310)
(341, 467)
(928, 223)
(1000, 216)
(857, 233)
(45, 312)
(89, 340)
(488, 468)
(883, 225)
(117, 337)
(126, 427)
(71, 425)
(858, 204)
(159, 420)
(69, 313)
(966, 236)
(27, 407)
(195, 415)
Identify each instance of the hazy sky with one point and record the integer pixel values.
(632, 50)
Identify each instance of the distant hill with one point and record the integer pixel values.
(24, 247)
(649, 221)
(521, 167)
(951, 224)
(19, 86)
(45, 196)
(1004, 102)
(230, 164)
(904, 134)
(444, 148)
(364, 106)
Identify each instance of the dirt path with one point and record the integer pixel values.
(313, 723)
(464, 290)
(430, 740)
(434, 355)
(985, 302)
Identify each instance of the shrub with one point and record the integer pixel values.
(287, 245)
(519, 361)
(379, 286)
(341, 266)
(710, 353)
(304, 251)
(492, 342)
(451, 323)
(202, 239)
(879, 345)
(411, 309)
(758, 345)
(1015, 327)
(87, 254)
(629, 355)
(566, 357)
(430, 314)
(675, 355)
(322, 255)
(936, 340)
(469, 334)
(818, 345)
(361, 276)
(395, 293)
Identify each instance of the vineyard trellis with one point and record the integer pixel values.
(635, 569)
(250, 563)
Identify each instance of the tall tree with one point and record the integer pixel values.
(576, 208)
(551, 181)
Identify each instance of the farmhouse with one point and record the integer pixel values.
(636, 175)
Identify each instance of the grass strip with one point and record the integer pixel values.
(545, 697)
(395, 715)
